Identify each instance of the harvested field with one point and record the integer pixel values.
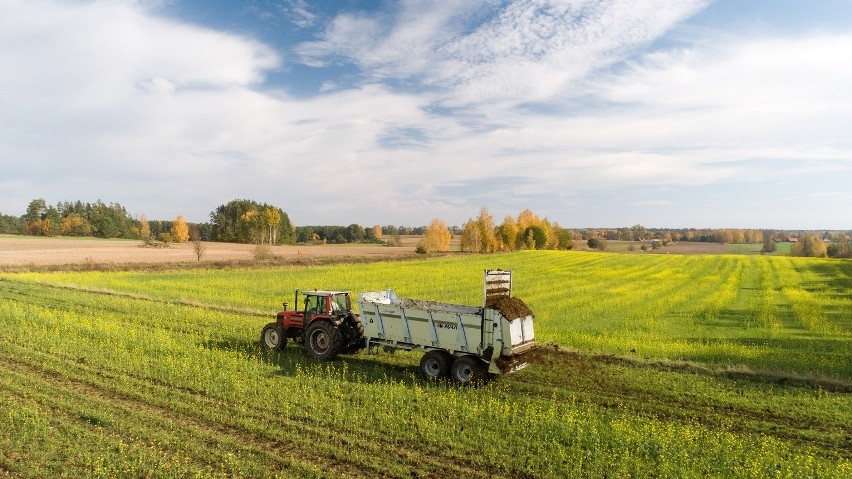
(16, 251)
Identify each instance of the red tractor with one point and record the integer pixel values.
(326, 325)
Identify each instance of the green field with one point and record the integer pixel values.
(755, 248)
(668, 366)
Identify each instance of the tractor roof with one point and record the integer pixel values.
(324, 293)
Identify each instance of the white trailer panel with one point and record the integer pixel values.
(401, 323)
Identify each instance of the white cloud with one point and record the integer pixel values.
(104, 91)
(118, 103)
(300, 13)
(778, 91)
(530, 51)
(536, 49)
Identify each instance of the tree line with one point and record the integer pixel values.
(238, 221)
(481, 235)
(247, 221)
(527, 231)
(832, 245)
(641, 233)
(67, 218)
(353, 233)
(241, 221)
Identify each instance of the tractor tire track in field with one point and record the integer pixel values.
(278, 450)
(592, 378)
(142, 297)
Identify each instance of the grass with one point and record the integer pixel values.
(130, 374)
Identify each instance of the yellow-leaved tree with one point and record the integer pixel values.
(144, 229)
(479, 235)
(271, 219)
(485, 223)
(507, 234)
(471, 239)
(180, 231)
(436, 238)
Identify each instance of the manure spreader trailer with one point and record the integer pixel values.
(459, 342)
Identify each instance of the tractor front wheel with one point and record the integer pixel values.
(322, 340)
(273, 337)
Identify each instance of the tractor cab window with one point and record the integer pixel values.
(314, 305)
(340, 302)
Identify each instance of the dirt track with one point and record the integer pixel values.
(38, 251)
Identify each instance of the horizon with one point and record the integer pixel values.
(719, 114)
(136, 217)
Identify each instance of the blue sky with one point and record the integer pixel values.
(664, 113)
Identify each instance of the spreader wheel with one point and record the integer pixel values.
(435, 365)
(468, 370)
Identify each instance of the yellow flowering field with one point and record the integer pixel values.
(649, 366)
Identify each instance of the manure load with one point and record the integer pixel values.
(464, 343)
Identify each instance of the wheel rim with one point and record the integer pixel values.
(432, 367)
(464, 373)
(320, 341)
(271, 338)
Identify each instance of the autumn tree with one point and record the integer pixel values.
(41, 219)
(527, 218)
(271, 220)
(75, 225)
(377, 231)
(507, 234)
(250, 225)
(809, 245)
(180, 230)
(144, 228)
(436, 238)
(470, 237)
(487, 235)
(563, 237)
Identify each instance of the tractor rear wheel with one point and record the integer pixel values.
(322, 340)
(468, 370)
(354, 337)
(273, 337)
(435, 365)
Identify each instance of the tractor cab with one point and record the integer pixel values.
(327, 303)
(315, 304)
